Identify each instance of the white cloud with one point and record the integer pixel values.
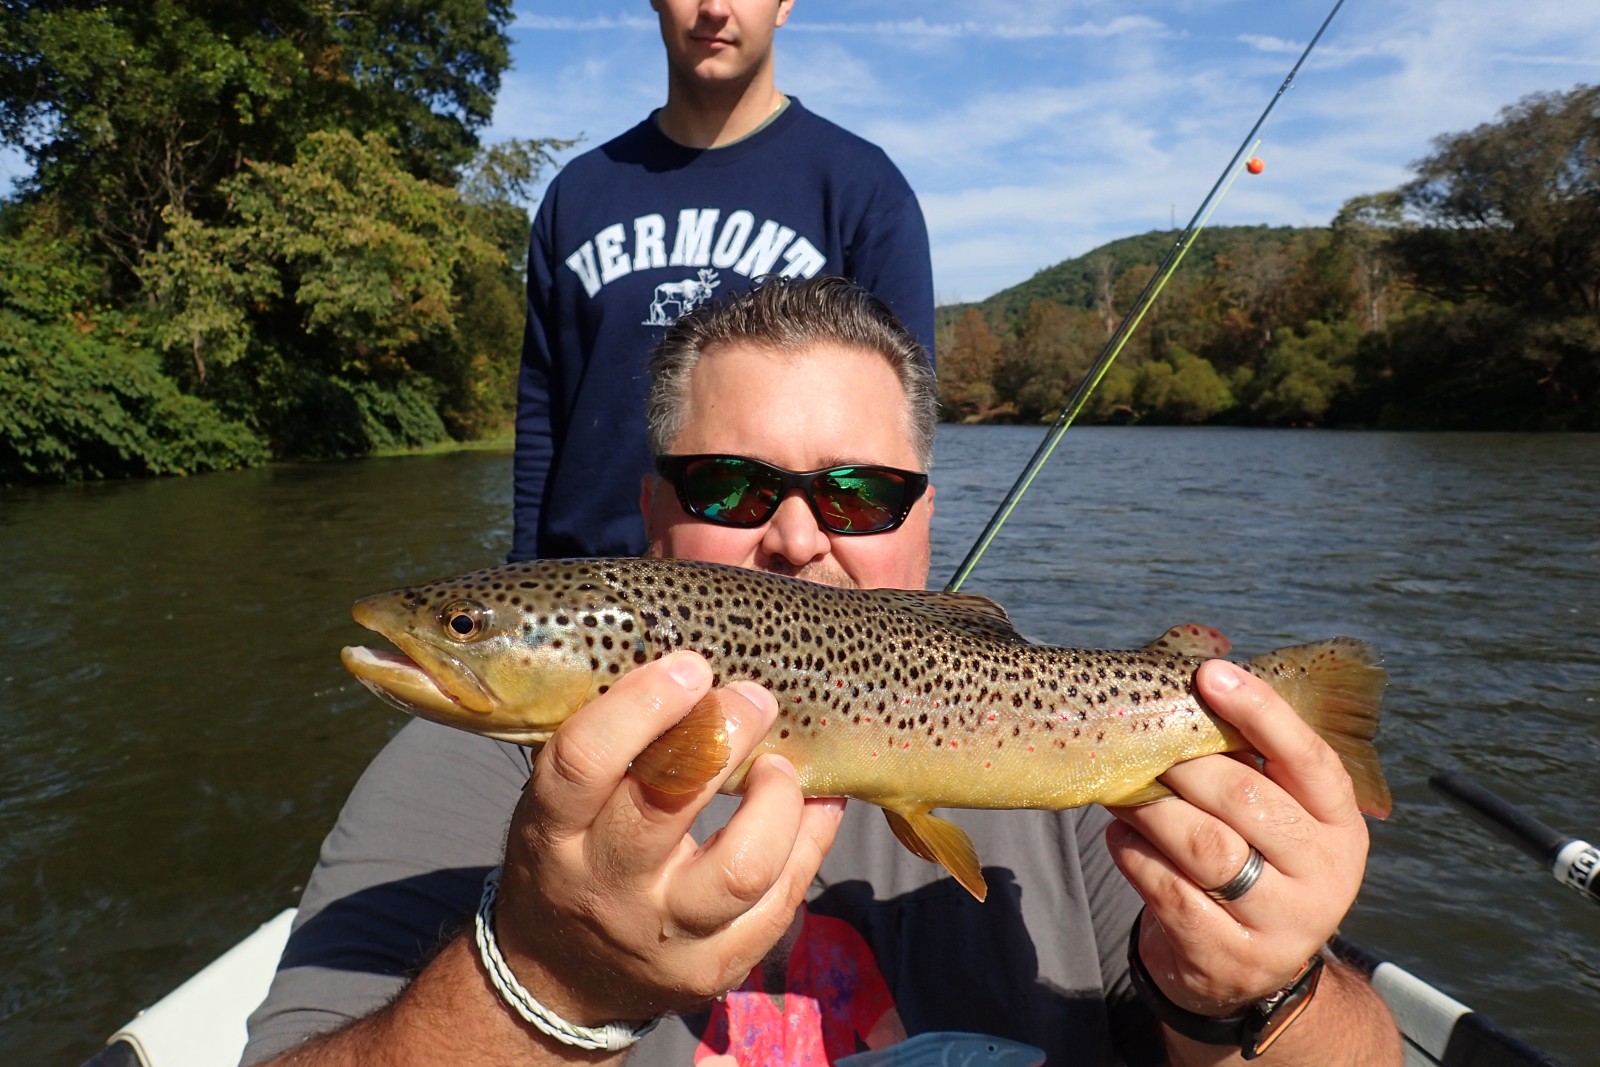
(1590, 63)
(919, 27)
(601, 22)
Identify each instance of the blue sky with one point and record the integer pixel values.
(1035, 130)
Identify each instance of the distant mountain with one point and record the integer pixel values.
(1072, 282)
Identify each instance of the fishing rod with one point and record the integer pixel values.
(1573, 863)
(1130, 321)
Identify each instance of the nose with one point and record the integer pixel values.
(793, 533)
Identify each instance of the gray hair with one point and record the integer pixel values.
(788, 316)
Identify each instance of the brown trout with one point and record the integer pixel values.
(906, 699)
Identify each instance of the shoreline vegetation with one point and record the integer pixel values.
(249, 240)
(504, 441)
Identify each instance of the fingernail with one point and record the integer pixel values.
(1231, 676)
(689, 669)
(778, 763)
(756, 694)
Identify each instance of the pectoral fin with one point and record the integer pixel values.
(1145, 794)
(689, 755)
(940, 841)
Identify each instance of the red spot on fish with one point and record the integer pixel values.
(905, 744)
(988, 764)
(838, 683)
(1030, 748)
(822, 722)
(991, 717)
(955, 744)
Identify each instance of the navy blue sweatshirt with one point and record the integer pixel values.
(640, 230)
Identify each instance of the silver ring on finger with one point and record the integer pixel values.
(1244, 881)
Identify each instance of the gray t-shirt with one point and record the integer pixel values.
(1042, 961)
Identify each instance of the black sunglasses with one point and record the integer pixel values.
(737, 491)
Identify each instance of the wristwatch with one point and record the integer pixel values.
(1252, 1030)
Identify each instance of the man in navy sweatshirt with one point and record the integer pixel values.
(729, 181)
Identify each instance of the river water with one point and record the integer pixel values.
(177, 734)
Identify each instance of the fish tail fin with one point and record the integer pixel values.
(1337, 687)
(688, 755)
(943, 842)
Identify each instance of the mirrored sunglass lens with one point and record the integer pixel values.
(729, 490)
(860, 501)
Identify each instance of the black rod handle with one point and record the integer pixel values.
(1574, 863)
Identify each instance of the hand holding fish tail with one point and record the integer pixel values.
(1297, 808)
(608, 906)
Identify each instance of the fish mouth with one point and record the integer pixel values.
(420, 678)
(399, 680)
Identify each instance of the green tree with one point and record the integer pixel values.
(84, 393)
(128, 109)
(265, 244)
(1504, 233)
(1361, 233)
(1307, 372)
(1510, 211)
(369, 267)
(1180, 388)
(1055, 348)
(1115, 398)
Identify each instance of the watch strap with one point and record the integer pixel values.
(1251, 1030)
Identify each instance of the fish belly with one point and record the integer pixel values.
(992, 760)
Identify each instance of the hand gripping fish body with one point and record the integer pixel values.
(906, 699)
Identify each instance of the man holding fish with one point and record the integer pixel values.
(625, 905)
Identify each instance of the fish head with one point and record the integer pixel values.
(505, 652)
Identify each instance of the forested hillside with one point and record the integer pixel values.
(1468, 298)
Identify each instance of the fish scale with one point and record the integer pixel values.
(908, 699)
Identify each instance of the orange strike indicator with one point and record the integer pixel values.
(1256, 165)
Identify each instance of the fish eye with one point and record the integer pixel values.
(464, 619)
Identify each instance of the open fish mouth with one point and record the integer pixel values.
(411, 686)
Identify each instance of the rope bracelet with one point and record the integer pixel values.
(611, 1037)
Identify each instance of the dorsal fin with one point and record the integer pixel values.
(1192, 639)
(965, 611)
